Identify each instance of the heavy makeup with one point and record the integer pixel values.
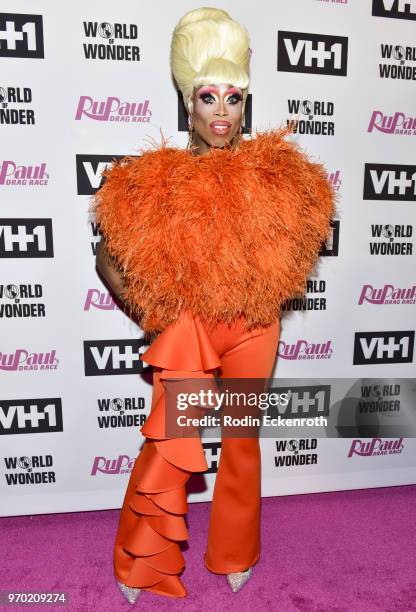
(216, 115)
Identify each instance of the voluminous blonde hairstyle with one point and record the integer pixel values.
(209, 47)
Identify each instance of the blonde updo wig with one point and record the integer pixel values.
(209, 47)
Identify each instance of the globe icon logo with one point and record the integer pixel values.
(105, 30)
(293, 446)
(11, 292)
(3, 95)
(376, 391)
(306, 108)
(25, 464)
(118, 405)
(398, 53)
(388, 232)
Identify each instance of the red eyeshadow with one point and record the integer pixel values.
(233, 90)
(207, 89)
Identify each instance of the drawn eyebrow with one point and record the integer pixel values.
(208, 89)
(233, 90)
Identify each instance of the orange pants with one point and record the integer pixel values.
(146, 551)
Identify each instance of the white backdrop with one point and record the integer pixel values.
(72, 397)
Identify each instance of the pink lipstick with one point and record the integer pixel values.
(220, 126)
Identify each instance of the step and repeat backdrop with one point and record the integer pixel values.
(82, 83)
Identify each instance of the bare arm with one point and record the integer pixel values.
(108, 268)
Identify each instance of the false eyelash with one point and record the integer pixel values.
(205, 95)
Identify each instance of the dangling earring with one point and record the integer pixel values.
(190, 133)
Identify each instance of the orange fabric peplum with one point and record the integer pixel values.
(147, 553)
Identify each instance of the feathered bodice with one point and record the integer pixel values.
(223, 234)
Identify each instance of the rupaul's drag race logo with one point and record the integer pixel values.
(400, 64)
(335, 179)
(100, 300)
(396, 182)
(334, 1)
(21, 360)
(16, 106)
(387, 294)
(17, 301)
(121, 412)
(392, 240)
(17, 175)
(29, 470)
(377, 446)
(392, 124)
(296, 452)
(22, 416)
(123, 464)
(111, 41)
(312, 117)
(302, 349)
(113, 109)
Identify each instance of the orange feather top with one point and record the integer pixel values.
(235, 231)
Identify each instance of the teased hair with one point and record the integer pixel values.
(208, 46)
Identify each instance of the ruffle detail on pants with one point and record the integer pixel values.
(156, 509)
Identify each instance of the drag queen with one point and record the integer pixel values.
(204, 245)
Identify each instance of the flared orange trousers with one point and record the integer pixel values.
(147, 554)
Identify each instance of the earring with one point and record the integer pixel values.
(190, 133)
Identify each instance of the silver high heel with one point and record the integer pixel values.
(238, 579)
(130, 593)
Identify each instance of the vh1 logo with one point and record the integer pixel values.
(396, 9)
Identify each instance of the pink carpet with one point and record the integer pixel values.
(347, 551)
